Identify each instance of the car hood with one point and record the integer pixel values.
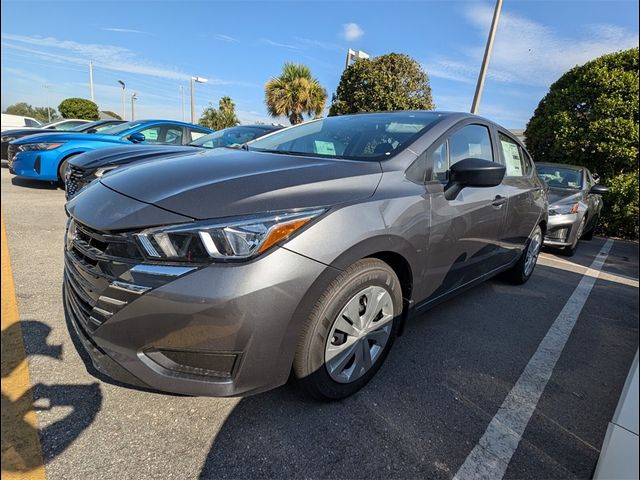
(125, 154)
(25, 131)
(563, 195)
(69, 137)
(224, 182)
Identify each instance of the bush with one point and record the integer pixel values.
(79, 108)
(590, 118)
(620, 207)
(385, 83)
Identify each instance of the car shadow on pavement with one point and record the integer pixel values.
(35, 184)
(20, 449)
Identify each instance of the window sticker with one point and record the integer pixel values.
(150, 135)
(324, 148)
(512, 159)
(475, 150)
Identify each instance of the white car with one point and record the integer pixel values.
(619, 456)
(17, 121)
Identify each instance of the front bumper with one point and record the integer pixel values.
(37, 165)
(221, 330)
(561, 230)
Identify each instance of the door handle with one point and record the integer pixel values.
(499, 201)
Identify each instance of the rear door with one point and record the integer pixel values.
(464, 234)
(525, 195)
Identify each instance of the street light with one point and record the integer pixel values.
(123, 100)
(46, 88)
(195, 80)
(134, 97)
(487, 56)
(352, 55)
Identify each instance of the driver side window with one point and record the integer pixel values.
(471, 141)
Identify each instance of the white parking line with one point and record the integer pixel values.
(491, 456)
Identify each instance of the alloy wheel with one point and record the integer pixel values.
(532, 253)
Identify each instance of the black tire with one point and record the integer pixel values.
(519, 274)
(309, 365)
(589, 235)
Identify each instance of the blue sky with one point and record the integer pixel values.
(155, 47)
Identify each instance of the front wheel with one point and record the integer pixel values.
(523, 269)
(350, 331)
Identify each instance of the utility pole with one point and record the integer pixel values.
(91, 80)
(486, 58)
(195, 80)
(124, 112)
(134, 97)
(46, 88)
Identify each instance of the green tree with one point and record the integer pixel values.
(222, 117)
(386, 83)
(79, 108)
(112, 114)
(589, 117)
(21, 108)
(294, 93)
(45, 113)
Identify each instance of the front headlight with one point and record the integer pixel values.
(567, 209)
(202, 242)
(101, 171)
(26, 147)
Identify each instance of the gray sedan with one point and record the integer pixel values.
(221, 272)
(575, 203)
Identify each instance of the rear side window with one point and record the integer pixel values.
(513, 157)
(173, 136)
(31, 123)
(196, 134)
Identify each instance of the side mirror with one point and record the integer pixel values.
(137, 137)
(473, 172)
(599, 189)
(92, 130)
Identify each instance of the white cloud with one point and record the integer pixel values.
(122, 30)
(526, 52)
(226, 38)
(281, 45)
(352, 31)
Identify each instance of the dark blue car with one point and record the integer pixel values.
(45, 156)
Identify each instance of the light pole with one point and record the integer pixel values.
(46, 88)
(486, 58)
(352, 55)
(195, 80)
(124, 112)
(91, 80)
(182, 100)
(134, 97)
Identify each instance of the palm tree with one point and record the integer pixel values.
(293, 93)
(226, 104)
(222, 117)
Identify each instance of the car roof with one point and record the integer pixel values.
(177, 122)
(561, 165)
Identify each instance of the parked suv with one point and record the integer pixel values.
(219, 272)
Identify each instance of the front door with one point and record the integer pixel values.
(464, 233)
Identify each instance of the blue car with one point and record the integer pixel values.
(45, 156)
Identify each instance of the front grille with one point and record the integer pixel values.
(74, 182)
(95, 263)
(11, 152)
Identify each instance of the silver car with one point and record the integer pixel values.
(575, 203)
(219, 272)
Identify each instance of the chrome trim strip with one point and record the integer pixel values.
(166, 270)
(102, 312)
(129, 287)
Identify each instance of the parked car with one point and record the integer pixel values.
(45, 156)
(84, 127)
(17, 121)
(575, 202)
(83, 169)
(305, 250)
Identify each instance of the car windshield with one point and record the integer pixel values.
(118, 129)
(99, 125)
(561, 177)
(228, 137)
(371, 136)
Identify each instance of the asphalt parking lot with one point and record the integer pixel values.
(420, 417)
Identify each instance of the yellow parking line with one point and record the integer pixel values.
(21, 452)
